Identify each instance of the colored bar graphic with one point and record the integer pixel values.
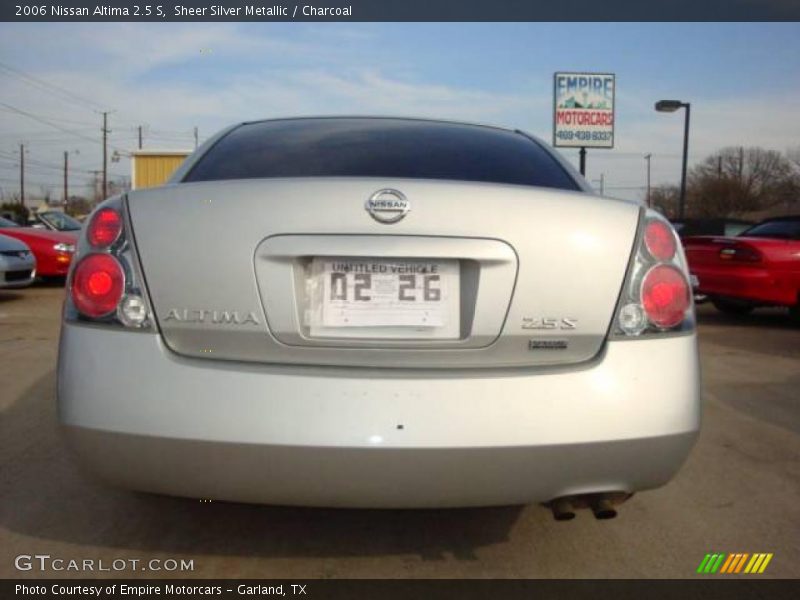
(718, 562)
(727, 564)
(737, 562)
(741, 562)
(703, 563)
(764, 564)
(710, 563)
(730, 564)
(755, 561)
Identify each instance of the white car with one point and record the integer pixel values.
(17, 263)
(379, 312)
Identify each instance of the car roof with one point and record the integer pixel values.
(386, 118)
(783, 218)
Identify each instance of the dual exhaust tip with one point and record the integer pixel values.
(601, 505)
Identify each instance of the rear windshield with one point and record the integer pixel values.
(788, 229)
(388, 148)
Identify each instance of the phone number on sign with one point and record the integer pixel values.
(595, 136)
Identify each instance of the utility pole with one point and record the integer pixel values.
(601, 181)
(22, 174)
(719, 167)
(647, 158)
(95, 191)
(140, 137)
(195, 138)
(582, 155)
(105, 153)
(741, 162)
(66, 168)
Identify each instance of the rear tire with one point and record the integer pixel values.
(737, 308)
(794, 312)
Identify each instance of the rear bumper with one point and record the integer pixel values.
(755, 284)
(142, 417)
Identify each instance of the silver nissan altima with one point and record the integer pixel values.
(379, 312)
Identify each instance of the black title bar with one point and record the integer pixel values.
(403, 10)
(708, 588)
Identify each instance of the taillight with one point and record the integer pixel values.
(98, 283)
(104, 228)
(106, 285)
(740, 253)
(665, 296)
(659, 240)
(656, 296)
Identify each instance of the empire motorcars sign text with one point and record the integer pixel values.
(583, 110)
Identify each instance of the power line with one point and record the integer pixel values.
(74, 122)
(50, 123)
(40, 83)
(46, 121)
(35, 134)
(39, 165)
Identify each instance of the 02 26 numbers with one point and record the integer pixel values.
(406, 290)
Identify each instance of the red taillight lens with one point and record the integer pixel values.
(659, 240)
(104, 228)
(665, 296)
(97, 285)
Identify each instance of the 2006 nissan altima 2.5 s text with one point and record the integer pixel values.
(379, 312)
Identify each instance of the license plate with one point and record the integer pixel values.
(395, 298)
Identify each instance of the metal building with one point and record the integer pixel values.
(151, 168)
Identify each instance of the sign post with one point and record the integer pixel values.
(583, 112)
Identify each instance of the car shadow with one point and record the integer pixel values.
(776, 318)
(46, 496)
(9, 296)
(54, 281)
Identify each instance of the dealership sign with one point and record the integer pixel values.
(583, 108)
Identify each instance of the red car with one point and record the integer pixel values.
(53, 250)
(758, 267)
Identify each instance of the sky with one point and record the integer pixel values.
(743, 82)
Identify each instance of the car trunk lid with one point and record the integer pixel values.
(231, 269)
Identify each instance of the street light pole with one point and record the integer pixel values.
(682, 205)
(66, 177)
(672, 106)
(22, 174)
(647, 157)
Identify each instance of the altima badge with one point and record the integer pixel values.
(387, 206)
(215, 317)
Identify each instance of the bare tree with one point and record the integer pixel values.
(793, 154)
(737, 180)
(665, 199)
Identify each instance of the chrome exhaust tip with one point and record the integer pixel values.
(562, 509)
(602, 508)
(601, 504)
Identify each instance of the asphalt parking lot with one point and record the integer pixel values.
(739, 491)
